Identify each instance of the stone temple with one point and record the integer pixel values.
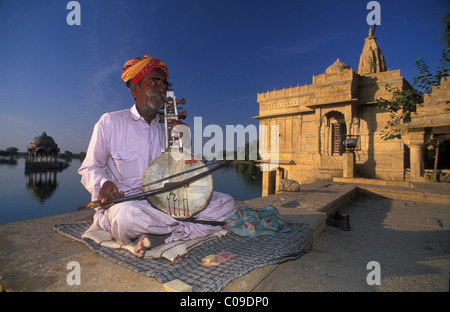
(308, 125)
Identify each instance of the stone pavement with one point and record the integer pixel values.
(33, 257)
(410, 241)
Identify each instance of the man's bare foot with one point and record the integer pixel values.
(147, 241)
(143, 243)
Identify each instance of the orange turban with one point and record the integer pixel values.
(136, 69)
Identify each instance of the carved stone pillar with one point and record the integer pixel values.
(348, 164)
(318, 154)
(414, 138)
(268, 182)
(265, 183)
(416, 161)
(279, 175)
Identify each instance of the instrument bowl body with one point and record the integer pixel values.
(183, 202)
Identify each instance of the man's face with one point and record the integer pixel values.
(150, 91)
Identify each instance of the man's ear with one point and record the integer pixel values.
(133, 92)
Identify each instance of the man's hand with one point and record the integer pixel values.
(175, 122)
(180, 128)
(109, 191)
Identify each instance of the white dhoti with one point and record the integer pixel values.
(127, 220)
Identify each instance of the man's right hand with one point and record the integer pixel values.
(109, 191)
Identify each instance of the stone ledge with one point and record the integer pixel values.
(372, 181)
(38, 263)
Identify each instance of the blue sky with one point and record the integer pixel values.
(220, 55)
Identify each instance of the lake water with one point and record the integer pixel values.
(39, 194)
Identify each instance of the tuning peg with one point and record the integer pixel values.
(182, 101)
(182, 115)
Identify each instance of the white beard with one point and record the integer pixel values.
(154, 103)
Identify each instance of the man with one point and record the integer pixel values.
(123, 143)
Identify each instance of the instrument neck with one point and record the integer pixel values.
(171, 114)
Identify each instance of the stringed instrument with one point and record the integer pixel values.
(177, 162)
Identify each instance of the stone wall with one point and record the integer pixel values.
(435, 105)
(304, 114)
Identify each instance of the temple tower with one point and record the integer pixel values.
(372, 59)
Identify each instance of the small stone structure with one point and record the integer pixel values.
(429, 125)
(43, 154)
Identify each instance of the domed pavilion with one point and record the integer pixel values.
(43, 154)
(43, 149)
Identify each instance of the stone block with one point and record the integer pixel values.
(288, 185)
(389, 146)
(348, 162)
(177, 286)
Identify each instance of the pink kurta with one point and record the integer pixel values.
(121, 147)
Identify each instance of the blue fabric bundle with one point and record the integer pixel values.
(255, 222)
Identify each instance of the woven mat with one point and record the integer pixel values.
(250, 253)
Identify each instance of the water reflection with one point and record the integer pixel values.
(242, 180)
(42, 184)
(34, 194)
(250, 173)
(8, 161)
(54, 192)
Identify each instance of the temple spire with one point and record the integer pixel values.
(371, 60)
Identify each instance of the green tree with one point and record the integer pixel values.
(426, 80)
(12, 150)
(404, 102)
(401, 106)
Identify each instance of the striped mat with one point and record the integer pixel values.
(250, 253)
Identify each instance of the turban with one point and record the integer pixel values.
(136, 69)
